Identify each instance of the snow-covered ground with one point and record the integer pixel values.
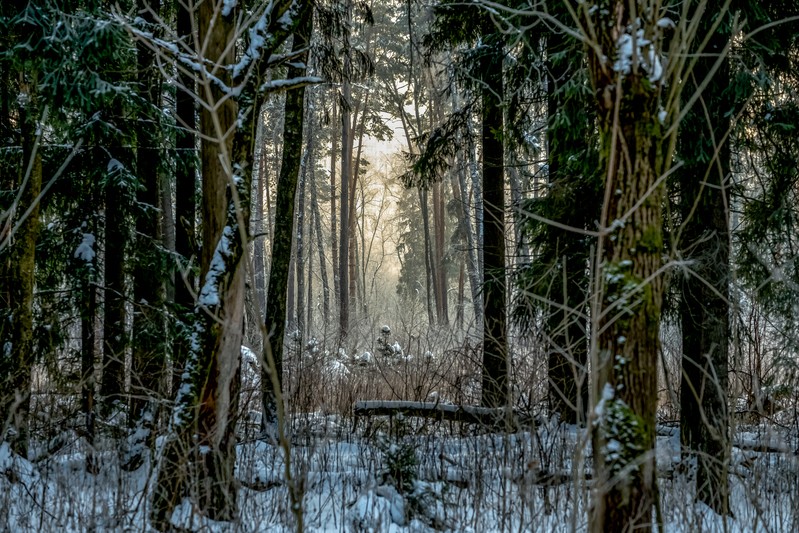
(409, 475)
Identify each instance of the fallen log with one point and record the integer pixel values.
(764, 446)
(495, 418)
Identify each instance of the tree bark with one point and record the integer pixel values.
(333, 213)
(479, 228)
(203, 422)
(300, 235)
(429, 276)
(259, 250)
(495, 338)
(628, 270)
(459, 193)
(117, 198)
(705, 242)
(88, 314)
(284, 228)
(17, 355)
(439, 231)
(148, 274)
(343, 256)
(185, 203)
(321, 250)
(358, 124)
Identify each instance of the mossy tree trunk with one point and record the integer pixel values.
(277, 288)
(627, 88)
(16, 352)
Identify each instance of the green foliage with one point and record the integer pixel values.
(438, 148)
(767, 253)
(79, 54)
(411, 285)
(572, 197)
(400, 465)
(767, 75)
(624, 434)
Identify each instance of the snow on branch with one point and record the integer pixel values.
(288, 84)
(274, 25)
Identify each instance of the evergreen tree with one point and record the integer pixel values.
(559, 226)
(704, 238)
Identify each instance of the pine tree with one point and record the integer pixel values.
(704, 237)
(558, 226)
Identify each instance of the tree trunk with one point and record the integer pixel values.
(185, 205)
(148, 274)
(259, 250)
(309, 303)
(321, 249)
(479, 232)
(705, 242)
(628, 267)
(459, 193)
(202, 425)
(291, 289)
(333, 213)
(17, 356)
(429, 277)
(300, 233)
(117, 199)
(206, 410)
(359, 118)
(343, 256)
(442, 306)
(495, 338)
(459, 310)
(566, 251)
(87, 318)
(279, 271)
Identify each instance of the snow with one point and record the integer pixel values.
(276, 85)
(114, 165)
(666, 22)
(209, 295)
(638, 51)
(607, 394)
(85, 250)
(228, 6)
(258, 38)
(463, 482)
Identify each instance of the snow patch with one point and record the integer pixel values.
(228, 6)
(638, 51)
(85, 250)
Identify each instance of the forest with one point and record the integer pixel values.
(399, 265)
